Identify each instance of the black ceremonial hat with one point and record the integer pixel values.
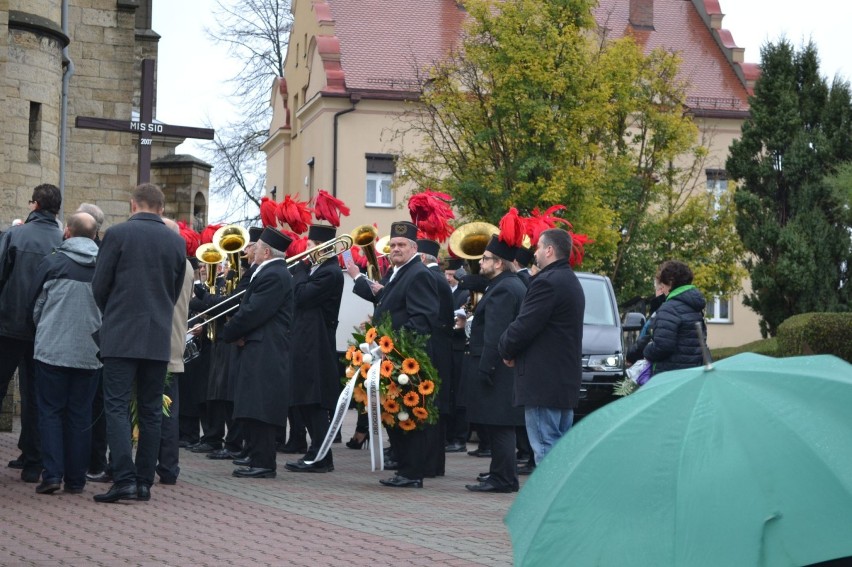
(500, 248)
(254, 233)
(275, 239)
(454, 263)
(430, 247)
(403, 229)
(321, 232)
(524, 256)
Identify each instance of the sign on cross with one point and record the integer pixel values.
(145, 127)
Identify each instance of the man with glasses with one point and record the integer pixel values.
(545, 344)
(22, 249)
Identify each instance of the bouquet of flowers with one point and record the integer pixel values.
(408, 383)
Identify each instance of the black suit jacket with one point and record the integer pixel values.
(546, 340)
(138, 278)
(441, 342)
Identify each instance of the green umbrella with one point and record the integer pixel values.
(749, 463)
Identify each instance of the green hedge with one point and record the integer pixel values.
(816, 333)
(767, 347)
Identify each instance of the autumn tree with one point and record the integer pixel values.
(790, 216)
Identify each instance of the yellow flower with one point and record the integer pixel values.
(410, 366)
(407, 425)
(371, 335)
(426, 387)
(411, 399)
(386, 344)
(167, 401)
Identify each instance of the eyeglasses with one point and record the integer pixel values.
(484, 258)
(32, 202)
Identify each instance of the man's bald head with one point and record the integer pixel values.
(81, 225)
(172, 225)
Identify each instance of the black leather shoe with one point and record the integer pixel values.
(488, 487)
(391, 465)
(253, 472)
(455, 448)
(402, 482)
(31, 475)
(203, 448)
(483, 476)
(244, 462)
(221, 455)
(301, 466)
(17, 463)
(480, 453)
(47, 487)
(102, 476)
(72, 489)
(143, 492)
(526, 469)
(168, 480)
(116, 493)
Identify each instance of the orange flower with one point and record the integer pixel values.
(391, 405)
(407, 425)
(349, 352)
(357, 358)
(410, 366)
(387, 368)
(420, 413)
(386, 344)
(393, 390)
(364, 369)
(411, 399)
(426, 387)
(371, 335)
(387, 418)
(359, 395)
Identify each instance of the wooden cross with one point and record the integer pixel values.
(145, 127)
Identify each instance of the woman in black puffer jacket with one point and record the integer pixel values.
(675, 342)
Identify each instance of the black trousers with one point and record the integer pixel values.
(457, 426)
(260, 443)
(18, 354)
(435, 443)
(219, 422)
(98, 460)
(317, 421)
(410, 448)
(119, 377)
(503, 469)
(168, 466)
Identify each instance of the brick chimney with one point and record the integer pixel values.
(642, 14)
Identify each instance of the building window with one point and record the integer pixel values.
(34, 139)
(718, 310)
(380, 171)
(717, 186)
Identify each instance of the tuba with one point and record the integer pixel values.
(212, 256)
(232, 239)
(469, 241)
(365, 237)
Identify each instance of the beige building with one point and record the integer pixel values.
(351, 73)
(104, 43)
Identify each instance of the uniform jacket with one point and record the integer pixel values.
(137, 281)
(546, 340)
(525, 276)
(264, 320)
(460, 297)
(441, 341)
(316, 297)
(488, 383)
(22, 249)
(64, 310)
(674, 340)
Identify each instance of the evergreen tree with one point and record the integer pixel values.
(792, 221)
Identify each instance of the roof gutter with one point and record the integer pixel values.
(355, 99)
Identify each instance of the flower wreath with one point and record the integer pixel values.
(408, 382)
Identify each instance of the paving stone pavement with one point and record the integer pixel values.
(210, 518)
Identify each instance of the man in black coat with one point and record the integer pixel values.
(138, 278)
(261, 328)
(317, 292)
(22, 249)
(457, 428)
(545, 344)
(490, 383)
(410, 296)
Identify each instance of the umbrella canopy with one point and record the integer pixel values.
(749, 463)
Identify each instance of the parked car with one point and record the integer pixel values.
(603, 343)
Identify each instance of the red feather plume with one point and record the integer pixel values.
(431, 212)
(299, 244)
(512, 228)
(538, 222)
(294, 213)
(329, 208)
(268, 209)
(578, 248)
(192, 238)
(209, 231)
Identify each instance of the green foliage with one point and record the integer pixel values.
(790, 213)
(539, 108)
(768, 347)
(816, 333)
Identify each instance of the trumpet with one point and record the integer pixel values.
(365, 237)
(322, 252)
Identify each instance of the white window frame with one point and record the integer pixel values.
(379, 179)
(717, 186)
(716, 302)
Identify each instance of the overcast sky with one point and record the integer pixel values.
(193, 72)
